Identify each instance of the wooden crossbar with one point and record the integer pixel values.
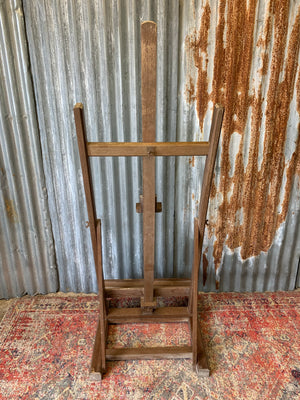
(148, 289)
(135, 287)
(161, 314)
(140, 149)
(152, 353)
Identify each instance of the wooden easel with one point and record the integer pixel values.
(148, 289)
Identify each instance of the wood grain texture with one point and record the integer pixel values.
(149, 226)
(98, 364)
(86, 175)
(202, 364)
(148, 87)
(101, 295)
(140, 149)
(162, 314)
(193, 300)
(116, 283)
(149, 353)
(148, 83)
(135, 287)
(180, 291)
(214, 137)
(199, 225)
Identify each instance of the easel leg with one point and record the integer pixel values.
(193, 300)
(200, 364)
(199, 228)
(99, 357)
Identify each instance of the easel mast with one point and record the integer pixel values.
(148, 53)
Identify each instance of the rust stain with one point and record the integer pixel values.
(198, 45)
(264, 40)
(190, 91)
(293, 168)
(250, 217)
(192, 161)
(11, 211)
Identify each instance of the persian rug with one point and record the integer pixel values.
(252, 343)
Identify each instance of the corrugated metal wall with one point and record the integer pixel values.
(27, 262)
(243, 54)
(89, 52)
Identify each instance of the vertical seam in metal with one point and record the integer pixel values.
(39, 136)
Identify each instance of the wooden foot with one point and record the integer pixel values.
(203, 372)
(98, 359)
(201, 366)
(96, 376)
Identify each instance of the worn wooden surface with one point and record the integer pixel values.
(99, 356)
(86, 175)
(140, 205)
(152, 353)
(172, 282)
(161, 314)
(202, 364)
(140, 149)
(148, 87)
(135, 287)
(199, 225)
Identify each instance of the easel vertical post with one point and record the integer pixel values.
(148, 66)
(86, 174)
(200, 224)
(98, 364)
(99, 357)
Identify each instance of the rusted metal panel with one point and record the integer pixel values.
(27, 258)
(243, 54)
(254, 73)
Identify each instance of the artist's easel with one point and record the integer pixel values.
(148, 289)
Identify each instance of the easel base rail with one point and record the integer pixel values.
(159, 315)
(135, 287)
(148, 353)
(134, 315)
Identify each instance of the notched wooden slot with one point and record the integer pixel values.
(148, 306)
(140, 208)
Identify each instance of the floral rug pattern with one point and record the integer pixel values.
(252, 342)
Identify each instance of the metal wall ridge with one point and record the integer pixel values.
(27, 258)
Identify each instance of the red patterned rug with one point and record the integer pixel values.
(252, 342)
